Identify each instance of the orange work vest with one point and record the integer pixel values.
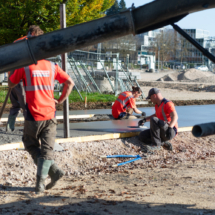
(163, 113)
(39, 87)
(124, 101)
(21, 38)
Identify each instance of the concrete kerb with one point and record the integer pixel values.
(21, 119)
(20, 146)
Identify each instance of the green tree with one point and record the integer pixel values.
(17, 15)
(122, 5)
(114, 9)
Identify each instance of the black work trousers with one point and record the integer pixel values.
(156, 135)
(43, 131)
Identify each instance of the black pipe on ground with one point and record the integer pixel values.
(134, 21)
(203, 130)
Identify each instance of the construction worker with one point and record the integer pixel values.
(17, 95)
(124, 106)
(40, 122)
(163, 124)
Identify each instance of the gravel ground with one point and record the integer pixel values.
(180, 182)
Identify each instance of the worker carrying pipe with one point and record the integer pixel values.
(17, 95)
(163, 124)
(124, 106)
(40, 122)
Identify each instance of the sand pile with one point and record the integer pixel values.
(210, 79)
(190, 75)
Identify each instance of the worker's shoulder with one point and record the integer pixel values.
(126, 93)
(168, 102)
(20, 39)
(169, 105)
(47, 61)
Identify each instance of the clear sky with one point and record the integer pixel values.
(202, 20)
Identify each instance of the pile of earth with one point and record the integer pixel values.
(193, 75)
(210, 79)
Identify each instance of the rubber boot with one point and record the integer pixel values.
(11, 123)
(55, 173)
(43, 167)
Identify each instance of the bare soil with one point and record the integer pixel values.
(177, 182)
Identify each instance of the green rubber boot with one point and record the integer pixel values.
(11, 123)
(55, 173)
(43, 167)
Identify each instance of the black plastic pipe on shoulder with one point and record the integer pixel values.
(151, 16)
(203, 130)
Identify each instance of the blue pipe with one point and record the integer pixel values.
(123, 156)
(123, 163)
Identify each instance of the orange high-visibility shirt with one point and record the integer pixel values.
(21, 38)
(123, 102)
(38, 81)
(163, 111)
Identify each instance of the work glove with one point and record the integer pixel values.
(141, 122)
(143, 114)
(169, 132)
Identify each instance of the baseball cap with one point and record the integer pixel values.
(152, 92)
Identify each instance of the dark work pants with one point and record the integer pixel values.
(18, 100)
(128, 114)
(156, 135)
(45, 131)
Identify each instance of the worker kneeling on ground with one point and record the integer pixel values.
(124, 106)
(163, 124)
(40, 122)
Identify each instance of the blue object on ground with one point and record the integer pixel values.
(137, 157)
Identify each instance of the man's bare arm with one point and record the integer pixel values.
(174, 117)
(149, 117)
(67, 88)
(137, 111)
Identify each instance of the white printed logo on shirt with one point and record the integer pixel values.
(41, 73)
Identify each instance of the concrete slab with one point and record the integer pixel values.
(100, 128)
(182, 110)
(188, 116)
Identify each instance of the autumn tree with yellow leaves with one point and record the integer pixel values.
(17, 15)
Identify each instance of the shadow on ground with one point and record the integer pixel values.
(65, 205)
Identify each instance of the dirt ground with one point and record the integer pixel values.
(178, 182)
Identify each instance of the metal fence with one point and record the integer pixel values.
(98, 72)
(93, 72)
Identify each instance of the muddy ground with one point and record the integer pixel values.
(178, 182)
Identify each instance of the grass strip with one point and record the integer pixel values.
(73, 97)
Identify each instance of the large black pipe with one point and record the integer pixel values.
(204, 51)
(203, 130)
(135, 21)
